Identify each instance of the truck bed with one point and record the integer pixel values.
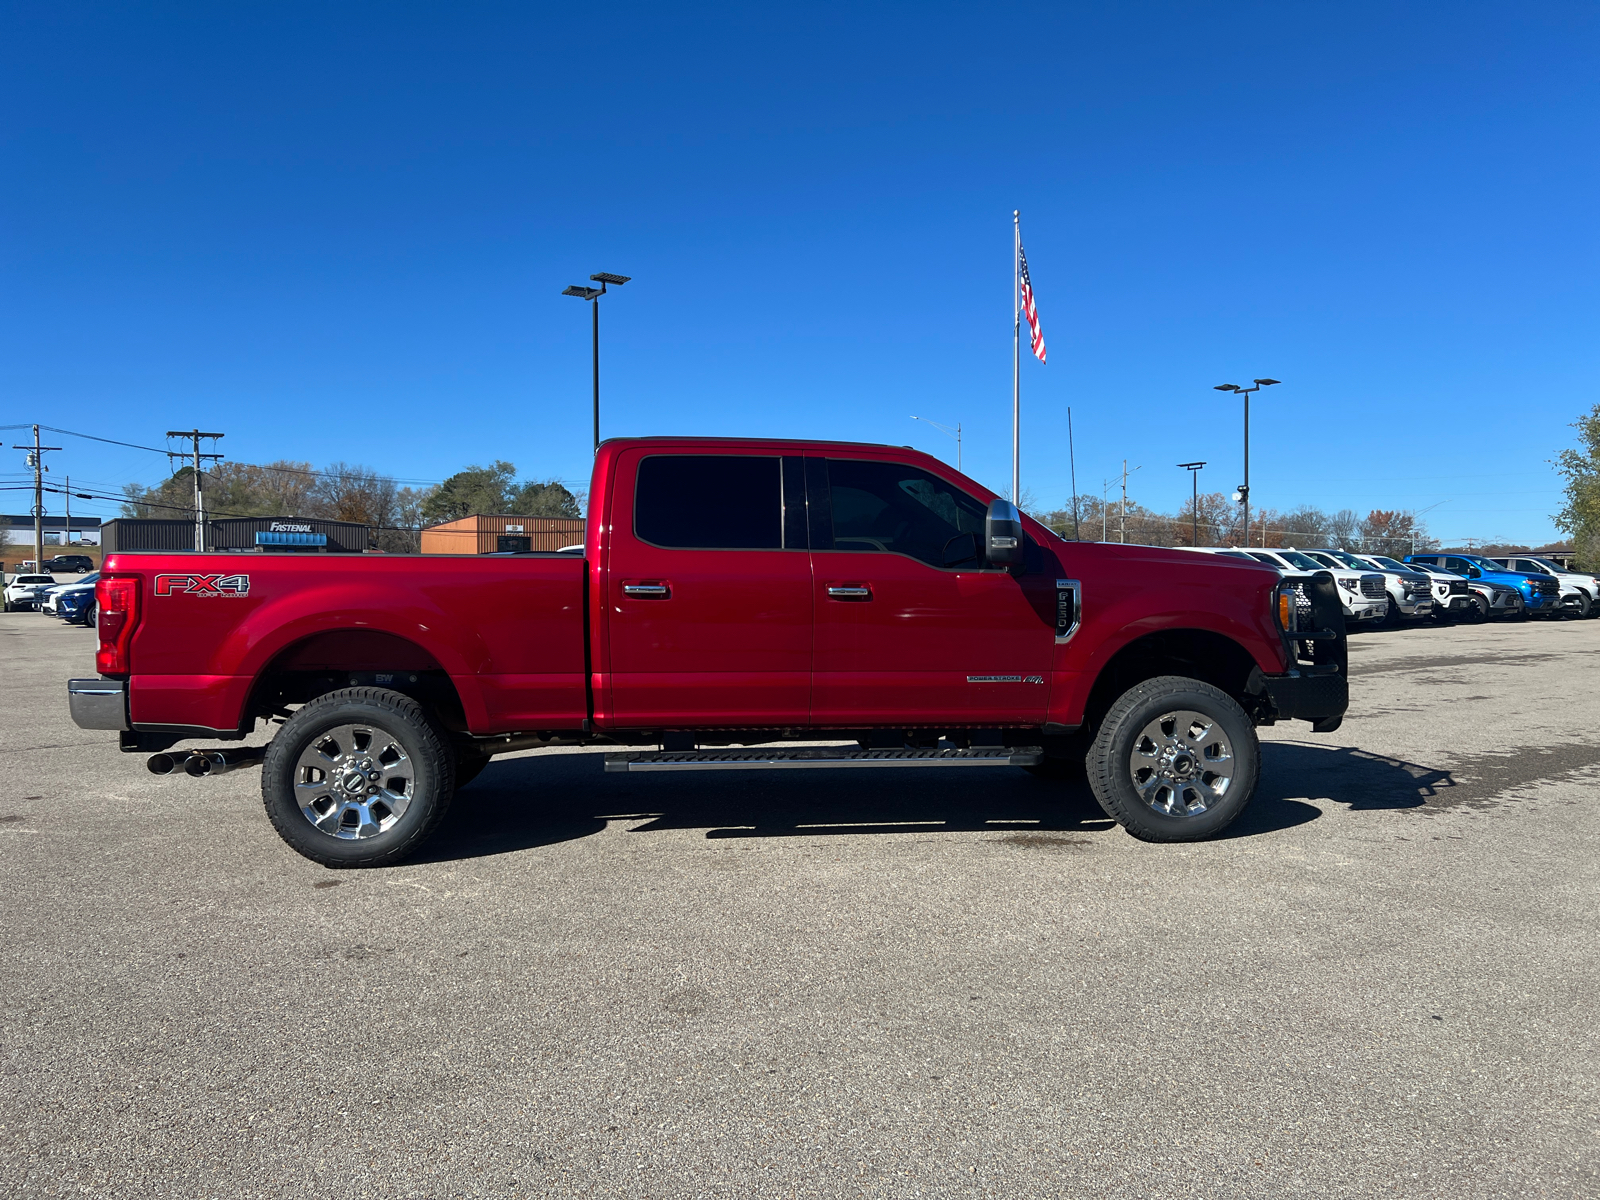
(508, 632)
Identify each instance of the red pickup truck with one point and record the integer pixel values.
(734, 598)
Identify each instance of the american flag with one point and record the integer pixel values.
(1028, 308)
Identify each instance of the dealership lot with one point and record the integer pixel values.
(1383, 982)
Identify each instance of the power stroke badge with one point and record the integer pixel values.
(208, 586)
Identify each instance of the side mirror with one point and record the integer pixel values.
(1002, 536)
(1474, 573)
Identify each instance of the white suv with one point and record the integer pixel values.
(22, 593)
(1579, 592)
(1361, 592)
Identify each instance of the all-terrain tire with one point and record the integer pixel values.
(402, 738)
(1175, 729)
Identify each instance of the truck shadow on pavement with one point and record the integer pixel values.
(523, 803)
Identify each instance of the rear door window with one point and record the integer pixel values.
(709, 502)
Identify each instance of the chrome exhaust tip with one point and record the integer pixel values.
(161, 764)
(204, 762)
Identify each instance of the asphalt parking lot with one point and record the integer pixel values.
(968, 983)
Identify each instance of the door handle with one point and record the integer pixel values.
(850, 593)
(647, 591)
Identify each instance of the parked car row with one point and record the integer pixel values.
(1377, 589)
(73, 602)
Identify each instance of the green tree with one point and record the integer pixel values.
(1580, 516)
(547, 499)
(476, 490)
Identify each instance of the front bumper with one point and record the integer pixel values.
(1364, 610)
(1316, 686)
(98, 703)
(1321, 698)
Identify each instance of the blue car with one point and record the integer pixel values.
(74, 602)
(1540, 593)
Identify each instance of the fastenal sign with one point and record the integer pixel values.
(285, 527)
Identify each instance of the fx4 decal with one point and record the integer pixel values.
(202, 585)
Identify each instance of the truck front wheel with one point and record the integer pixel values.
(358, 778)
(1175, 760)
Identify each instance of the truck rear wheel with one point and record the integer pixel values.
(358, 778)
(1175, 760)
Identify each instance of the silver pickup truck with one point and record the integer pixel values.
(1410, 592)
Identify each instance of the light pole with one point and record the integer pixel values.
(1243, 494)
(1194, 506)
(593, 296)
(948, 432)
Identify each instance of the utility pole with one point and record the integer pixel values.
(66, 535)
(1072, 461)
(36, 454)
(1122, 534)
(1105, 490)
(194, 435)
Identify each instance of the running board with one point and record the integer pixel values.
(827, 756)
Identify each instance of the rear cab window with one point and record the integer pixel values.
(716, 502)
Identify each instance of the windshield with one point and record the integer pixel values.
(34, 579)
(1482, 563)
(1294, 558)
(1349, 560)
(1545, 562)
(1389, 564)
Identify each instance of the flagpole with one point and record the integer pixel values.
(1016, 358)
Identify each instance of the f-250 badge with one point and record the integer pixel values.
(203, 585)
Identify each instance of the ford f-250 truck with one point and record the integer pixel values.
(733, 598)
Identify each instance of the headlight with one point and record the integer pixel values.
(1353, 586)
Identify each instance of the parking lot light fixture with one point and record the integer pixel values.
(577, 290)
(1194, 506)
(1243, 494)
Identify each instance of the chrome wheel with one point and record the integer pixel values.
(354, 781)
(1182, 764)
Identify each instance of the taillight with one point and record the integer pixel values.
(118, 603)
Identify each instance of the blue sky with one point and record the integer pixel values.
(341, 231)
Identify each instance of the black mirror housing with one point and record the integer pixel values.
(1003, 543)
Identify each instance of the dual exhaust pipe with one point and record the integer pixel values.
(200, 763)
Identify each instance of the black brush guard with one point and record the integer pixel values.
(1317, 687)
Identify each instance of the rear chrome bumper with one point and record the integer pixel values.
(98, 703)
